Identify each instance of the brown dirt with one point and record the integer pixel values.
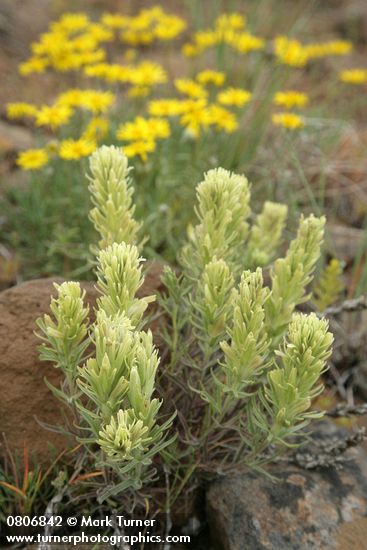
(24, 399)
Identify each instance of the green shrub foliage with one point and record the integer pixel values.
(240, 366)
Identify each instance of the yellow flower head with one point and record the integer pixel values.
(290, 121)
(291, 98)
(196, 116)
(190, 88)
(222, 119)
(53, 116)
(115, 20)
(165, 107)
(144, 129)
(211, 77)
(234, 96)
(109, 72)
(139, 148)
(354, 76)
(246, 42)
(74, 149)
(205, 39)
(99, 33)
(97, 102)
(147, 73)
(33, 65)
(234, 21)
(290, 52)
(20, 110)
(32, 159)
(334, 47)
(169, 27)
(72, 22)
(149, 25)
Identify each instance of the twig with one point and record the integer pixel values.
(356, 304)
(329, 453)
(348, 410)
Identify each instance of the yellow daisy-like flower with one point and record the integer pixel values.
(190, 88)
(323, 49)
(169, 27)
(166, 107)
(139, 148)
(32, 159)
(33, 65)
(97, 102)
(291, 98)
(354, 76)
(115, 20)
(72, 22)
(144, 129)
(74, 149)
(234, 21)
(196, 117)
(72, 98)
(147, 73)
(20, 110)
(290, 121)
(211, 77)
(246, 42)
(290, 52)
(53, 116)
(222, 119)
(234, 96)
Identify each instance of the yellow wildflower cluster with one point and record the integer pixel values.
(294, 53)
(97, 102)
(74, 41)
(195, 115)
(142, 134)
(60, 113)
(70, 43)
(228, 29)
(202, 104)
(146, 27)
(68, 149)
(354, 76)
(143, 75)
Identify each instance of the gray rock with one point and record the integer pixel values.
(306, 509)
